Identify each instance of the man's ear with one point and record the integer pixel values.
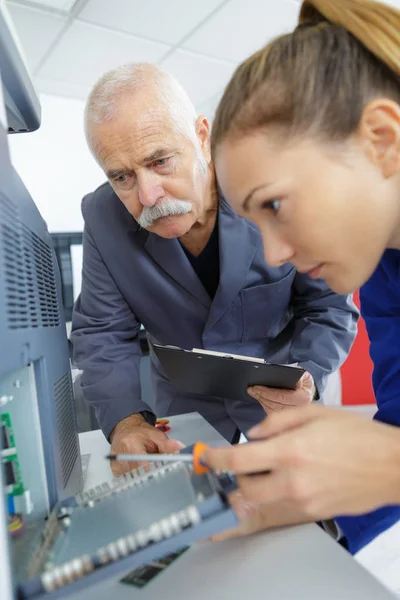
(379, 131)
(203, 134)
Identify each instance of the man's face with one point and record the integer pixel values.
(156, 166)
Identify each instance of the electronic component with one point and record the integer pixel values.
(123, 525)
(143, 575)
(9, 457)
(9, 475)
(5, 442)
(16, 525)
(7, 435)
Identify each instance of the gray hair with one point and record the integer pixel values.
(165, 208)
(105, 98)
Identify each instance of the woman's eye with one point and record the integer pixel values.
(273, 205)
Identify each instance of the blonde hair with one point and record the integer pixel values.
(317, 79)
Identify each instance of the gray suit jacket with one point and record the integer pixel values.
(132, 277)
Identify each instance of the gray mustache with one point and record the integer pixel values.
(165, 208)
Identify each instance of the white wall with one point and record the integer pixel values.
(55, 163)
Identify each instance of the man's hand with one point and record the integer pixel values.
(318, 461)
(134, 435)
(272, 399)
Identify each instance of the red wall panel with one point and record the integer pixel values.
(356, 373)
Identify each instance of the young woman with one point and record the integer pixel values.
(306, 143)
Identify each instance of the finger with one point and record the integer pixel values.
(265, 393)
(116, 469)
(246, 512)
(154, 439)
(272, 395)
(265, 401)
(244, 458)
(307, 384)
(305, 380)
(241, 506)
(284, 396)
(298, 397)
(228, 535)
(264, 489)
(170, 446)
(119, 467)
(136, 445)
(291, 418)
(272, 406)
(276, 514)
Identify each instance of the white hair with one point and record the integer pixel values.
(123, 82)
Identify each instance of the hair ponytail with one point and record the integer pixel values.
(375, 25)
(318, 78)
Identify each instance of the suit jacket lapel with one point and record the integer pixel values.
(238, 243)
(168, 255)
(171, 258)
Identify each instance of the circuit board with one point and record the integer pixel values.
(134, 521)
(9, 458)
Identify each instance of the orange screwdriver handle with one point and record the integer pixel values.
(198, 467)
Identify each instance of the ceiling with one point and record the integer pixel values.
(69, 44)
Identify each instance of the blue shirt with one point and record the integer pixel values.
(380, 307)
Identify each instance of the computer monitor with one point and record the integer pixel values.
(39, 444)
(22, 106)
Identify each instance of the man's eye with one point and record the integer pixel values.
(272, 205)
(161, 162)
(124, 181)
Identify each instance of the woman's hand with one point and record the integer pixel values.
(321, 462)
(258, 517)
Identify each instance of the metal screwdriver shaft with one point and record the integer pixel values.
(192, 454)
(151, 457)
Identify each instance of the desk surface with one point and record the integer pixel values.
(295, 563)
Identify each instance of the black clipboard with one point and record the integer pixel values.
(192, 372)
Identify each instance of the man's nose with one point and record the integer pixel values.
(150, 192)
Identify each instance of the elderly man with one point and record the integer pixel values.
(164, 249)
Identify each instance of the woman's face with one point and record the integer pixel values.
(326, 208)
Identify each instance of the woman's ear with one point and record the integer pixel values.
(379, 132)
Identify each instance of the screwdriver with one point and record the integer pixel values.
(191, 454)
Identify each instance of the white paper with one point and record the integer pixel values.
(228, 354)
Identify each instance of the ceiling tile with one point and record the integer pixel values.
(61, 88)
(36, 30)
(63, 5)
(242, 26)
(200, 76)
(393, 3)
(208, 108)
(167, 21)
(86, 51)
